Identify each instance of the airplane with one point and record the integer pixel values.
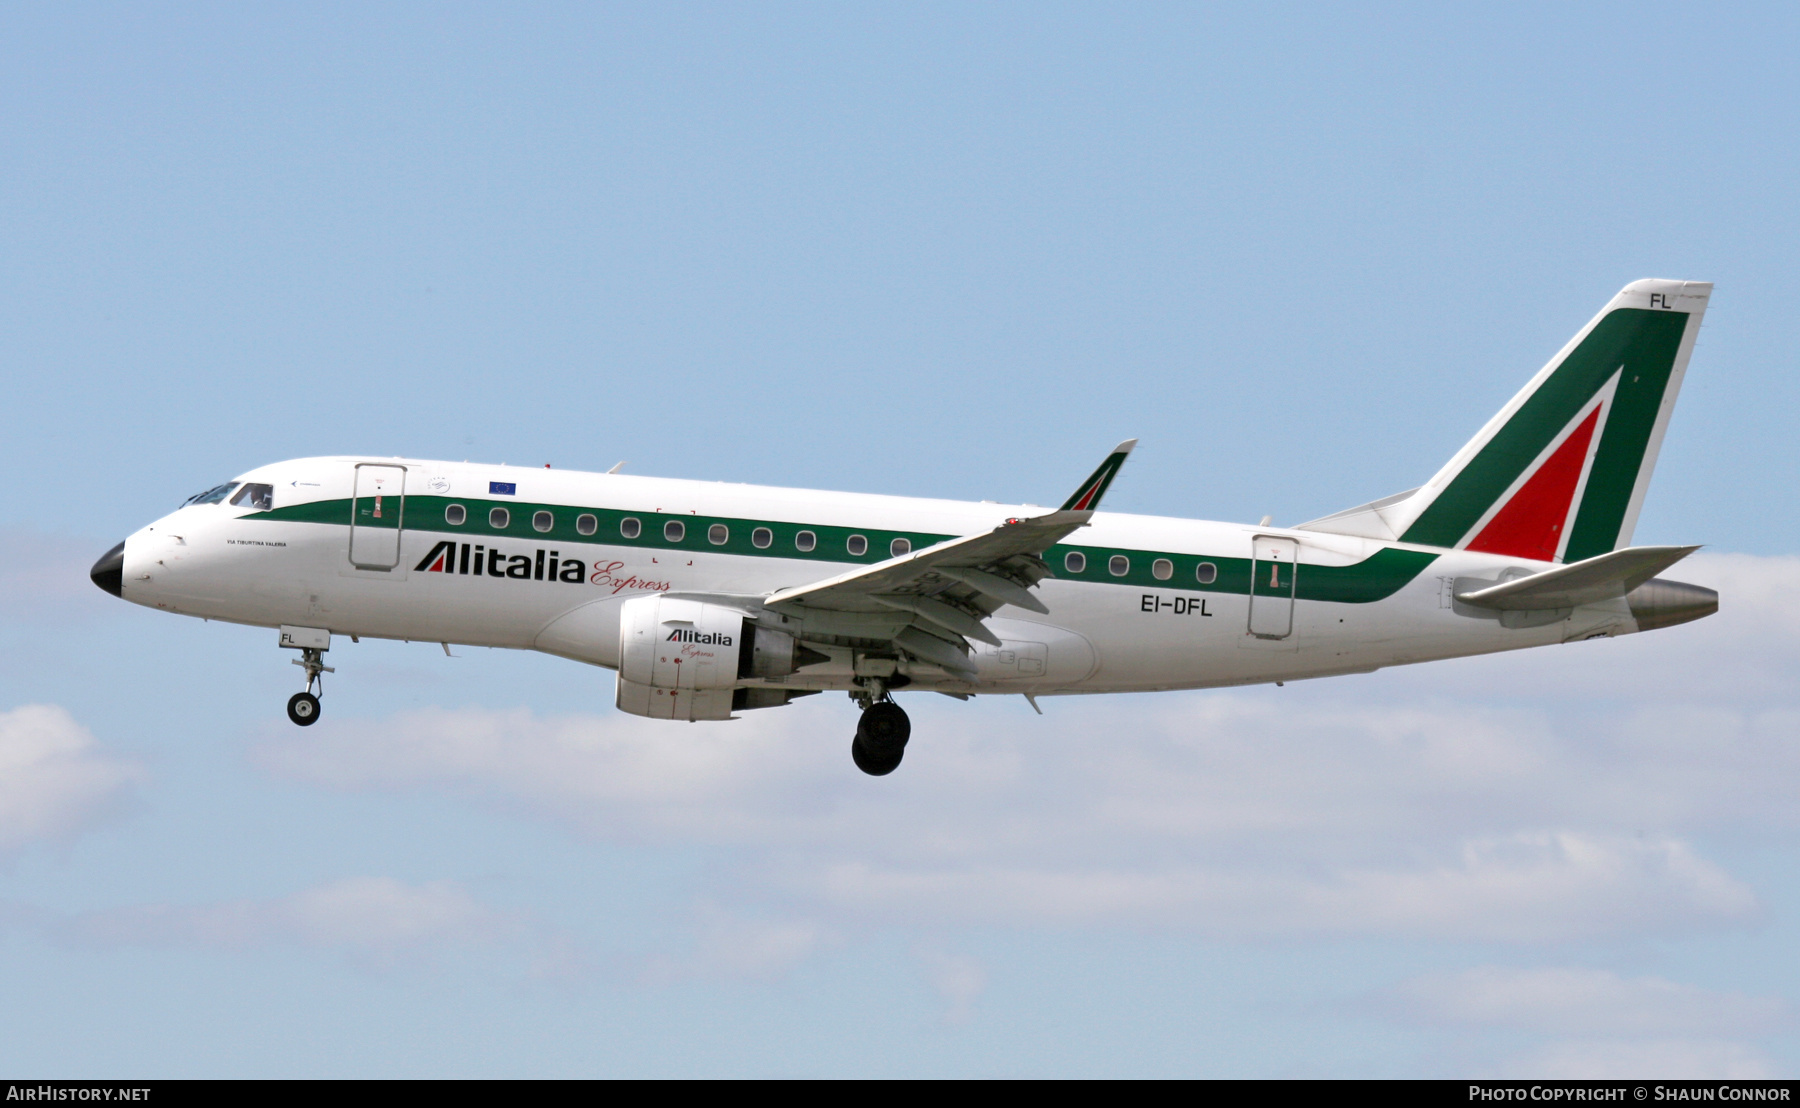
(710, 599)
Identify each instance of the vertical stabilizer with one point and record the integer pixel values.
(1560, 473)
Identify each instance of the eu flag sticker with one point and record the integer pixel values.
(502, 488)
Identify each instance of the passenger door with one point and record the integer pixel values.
(376, 513)
(1273, 569)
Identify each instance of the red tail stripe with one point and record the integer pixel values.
(1531, 524)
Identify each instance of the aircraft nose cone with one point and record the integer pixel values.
(109, 571)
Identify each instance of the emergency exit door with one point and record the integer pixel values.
(1274, 566)
(376, 512)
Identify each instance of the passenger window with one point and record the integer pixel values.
(260, 498)
(761, 538)
(1075, 562)
(542, 521)
(213, 495)
(499, 518)
(805, 540)
(1118, 565)
(1206, 573)
(455, 514)
(899, 547)
(586, 524)
(1162, 569)
(674, 530)
(630, 527)
(717, 534)
(856, 545)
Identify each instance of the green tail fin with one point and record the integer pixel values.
(1560, 473)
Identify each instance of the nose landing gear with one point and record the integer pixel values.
(881, 733)
(303, 707)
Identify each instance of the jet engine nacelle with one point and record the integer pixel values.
(670, 643)
(681, 659)
(679, 644)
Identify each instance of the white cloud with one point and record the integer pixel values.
(1545, 887)
(380, 913)
(732, 946)
(1232, 817)
(1528, 888)
(1643, 1059)
(1588, 1003)
(1554, 800)
(370, 919)
(54, 778)
(1598, 1024)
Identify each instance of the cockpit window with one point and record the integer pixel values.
(213, 495)
(259, 498)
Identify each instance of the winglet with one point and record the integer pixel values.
(1087, 497)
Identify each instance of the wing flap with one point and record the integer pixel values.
(950, 618)
(995, 587)
(929, 648)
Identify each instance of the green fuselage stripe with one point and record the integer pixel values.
(1375, 578)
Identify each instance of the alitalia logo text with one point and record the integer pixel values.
(714, 638)
(479, 560)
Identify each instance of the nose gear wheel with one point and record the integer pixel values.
(303, 709)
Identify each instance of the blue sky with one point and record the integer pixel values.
(1301, 252)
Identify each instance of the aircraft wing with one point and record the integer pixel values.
(941, 595)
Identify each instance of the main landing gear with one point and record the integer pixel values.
(881, 733)
(303, 707)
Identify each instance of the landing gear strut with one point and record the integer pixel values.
(881, 733)
(303, 707)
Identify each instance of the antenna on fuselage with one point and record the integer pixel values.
(617, 466)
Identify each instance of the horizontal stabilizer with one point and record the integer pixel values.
(1603, 577)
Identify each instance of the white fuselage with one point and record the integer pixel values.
(1359, 604)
